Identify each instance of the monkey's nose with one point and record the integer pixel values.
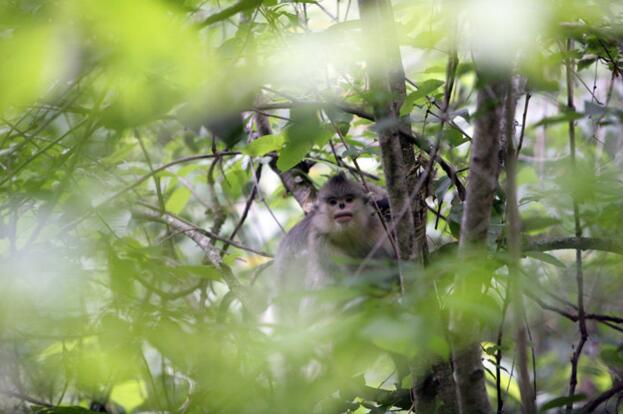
(342, 205)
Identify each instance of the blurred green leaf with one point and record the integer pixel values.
(304, 131)
(585, 63)
(560, 402)
(30, 63)
(62, 410)
(612, 356)
(178, 200)
(129, 394)
(547, 258)
(557, 119)
(454, 137)
(340, 119)
(203, 272)
(534, 223)
(424, 88)
(264, 145)
(428, 39)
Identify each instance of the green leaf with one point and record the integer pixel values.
(557, 119)
(339, 118)
(62, 410)
(561, 401)
(435, 69)
(454, 137)
(429, 39)
(612, 356)
(230, 11)
(547, 258)
(441, 186)
(202, 272)
(301, 135)
(178, 200)
(187, 169)
(424, 88)
(130, 394)
(264, 145)
(585, 63)
(538, 223)
(393, 335)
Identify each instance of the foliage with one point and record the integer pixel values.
(129, 137)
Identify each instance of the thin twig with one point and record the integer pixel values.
(603, 319)
(142, 180)
(156, 179)
(498, 355)
(247, 207)
(26, 398)
(416, 139)
(575, 358)
(523, 122)
(579, 243)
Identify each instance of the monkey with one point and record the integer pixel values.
(341, 235)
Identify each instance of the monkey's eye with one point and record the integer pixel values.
(332, 201)
(349, 198)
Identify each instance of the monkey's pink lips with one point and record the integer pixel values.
(344, 217)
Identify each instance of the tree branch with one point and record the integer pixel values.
(413, 137)
(590, 406)
(581, 243)
(295, 180)
(200, 236)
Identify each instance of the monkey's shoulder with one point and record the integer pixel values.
(295, 241)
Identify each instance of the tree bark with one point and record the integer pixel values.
(387, 82)
(482, 181)
(434, 391)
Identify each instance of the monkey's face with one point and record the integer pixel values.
(342, 208)
(341, 213)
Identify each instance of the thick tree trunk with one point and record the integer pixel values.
(434, 391)
(483, 166)
(387, 82)
(482, 181)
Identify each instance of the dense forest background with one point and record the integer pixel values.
(153, 154)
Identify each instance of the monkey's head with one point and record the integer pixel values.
(342, 205)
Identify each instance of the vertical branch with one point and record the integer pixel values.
(386, 80)
(405, 187)
(575, 358)
(247, 206)
(528, 405)
(483, 173)
(498, 355)
(523, 122)
(483, 165)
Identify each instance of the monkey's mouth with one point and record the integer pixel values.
(343, 217)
